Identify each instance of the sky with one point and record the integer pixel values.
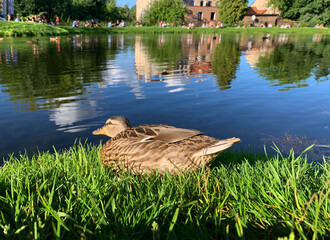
(130, 3)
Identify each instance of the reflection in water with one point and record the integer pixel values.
(225, 62)
(174, 59)
(77, 80)
(291, 64)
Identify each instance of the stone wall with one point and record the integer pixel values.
(260, 19)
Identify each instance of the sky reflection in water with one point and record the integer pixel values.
(225, 85)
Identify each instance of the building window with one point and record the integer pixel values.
(209, 3)
(212, 16)
(202, 3)
(192, 3)
(199, 16)
(218, 3)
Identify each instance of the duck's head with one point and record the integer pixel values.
(113, 126)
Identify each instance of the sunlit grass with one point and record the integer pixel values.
(71, 195)
(15, 29)
(21, 29)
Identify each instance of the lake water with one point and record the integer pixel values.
(225, 85)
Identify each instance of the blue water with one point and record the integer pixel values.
(264, 92)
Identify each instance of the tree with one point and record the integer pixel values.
(170, 11)
(231, 11)
(285, 6)
(315, 11)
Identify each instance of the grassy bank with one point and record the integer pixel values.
(195, 30)
(14, 29)
(70, 195)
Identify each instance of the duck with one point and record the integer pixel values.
(266, 37)
(162, 148)
(54, 39)
(33, 42)
(1, 39)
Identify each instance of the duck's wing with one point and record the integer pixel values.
(163, 133)
(171, 134)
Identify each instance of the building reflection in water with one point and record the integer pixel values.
(194, 59)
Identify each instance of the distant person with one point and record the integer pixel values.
(316, 26)
(160, 24)
(270, 25)
(87, 24)
(110, 24)
(74, 24)
(52, 23)
(117, 23)
(57, 21)
(18, 19)
(44, 20)
(93, 23)
(9, 17)
(122, 24)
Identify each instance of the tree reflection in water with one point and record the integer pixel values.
(290, 65)
(45, 76)
(225, 61)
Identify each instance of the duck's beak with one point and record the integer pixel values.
(99, 131)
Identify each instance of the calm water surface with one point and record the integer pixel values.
(225, 85)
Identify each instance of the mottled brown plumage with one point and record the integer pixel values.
(161, 147)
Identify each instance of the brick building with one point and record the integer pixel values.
(200, 11)
(262, 14)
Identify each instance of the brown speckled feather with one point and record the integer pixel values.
(161, 147)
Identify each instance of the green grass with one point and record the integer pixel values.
(70, 195)
(195, 30)
(14, 29)
(17, 29)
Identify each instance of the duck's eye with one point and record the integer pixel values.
(108, 123)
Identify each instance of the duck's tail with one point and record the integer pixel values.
(217, 147)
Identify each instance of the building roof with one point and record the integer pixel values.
(253, 11)
(259, 7)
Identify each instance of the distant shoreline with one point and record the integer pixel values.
(16, 29)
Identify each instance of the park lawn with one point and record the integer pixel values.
(70, 195)
(18, 29)
(22, 29)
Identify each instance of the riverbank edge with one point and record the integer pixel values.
(16, 29)
(69, 194)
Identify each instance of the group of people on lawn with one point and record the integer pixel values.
(92, 23)
(34, 19)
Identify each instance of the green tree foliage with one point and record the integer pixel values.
(283, 5)
(170, 11)
(225, 61)
(315, 11)
(71, 9)
(231, 11)
(120, 13)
